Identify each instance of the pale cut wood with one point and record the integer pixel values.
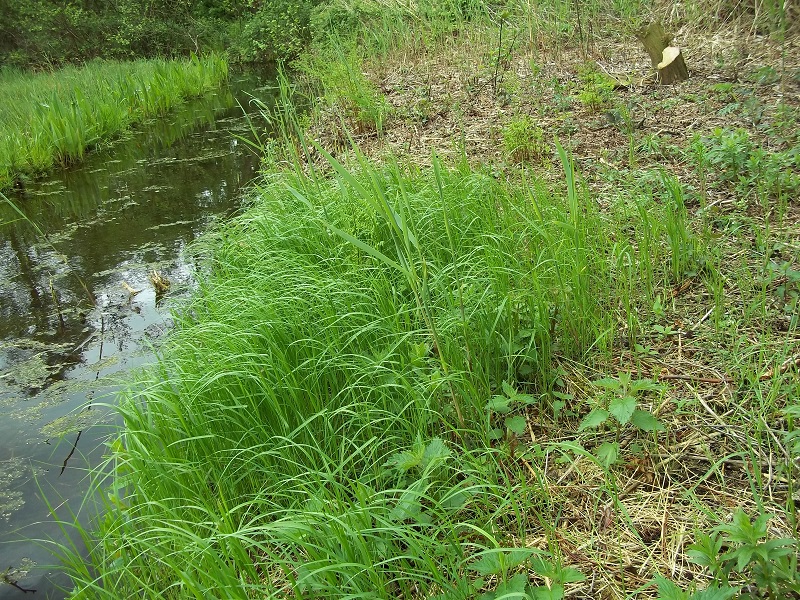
(667, 60)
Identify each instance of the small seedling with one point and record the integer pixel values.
(500, 562)
(504, 404)
(619, 403)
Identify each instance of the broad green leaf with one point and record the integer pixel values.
(641, 385)
(494, 562)
(526, 370)
(713, 592)
(544, 567)
(513, 588)
(622, 408)
(607, 453)
(456, 500)
(743, 556)
(645, 421)
(609, 383)
(778, 548)
(554, 592)
(436, 450)
(558, 406)
(516, 424)
(570, 575)
(499, 404)
(705, 550)
(667, 590)
(496, 434)
(408, 506)
(404, 461)
(624, 379)
(594, 419)
(552, 570)
(488, 564)
(515, 396)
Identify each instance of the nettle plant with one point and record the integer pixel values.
(503, 404)
(619, 403)
(742, 550)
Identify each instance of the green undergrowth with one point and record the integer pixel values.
(320, 423)
(49, 119)
(467, 380)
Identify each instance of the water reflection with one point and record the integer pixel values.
(68, 321)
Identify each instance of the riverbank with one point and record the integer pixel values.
(49, 119)
(533, 335)
(71, 328)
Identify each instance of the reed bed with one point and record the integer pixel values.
(49, 119)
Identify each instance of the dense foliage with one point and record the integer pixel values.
(47, 33)
(49, 119)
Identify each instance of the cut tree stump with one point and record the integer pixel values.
(667, 60)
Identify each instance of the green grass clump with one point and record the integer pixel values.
(348, 98)
(52, 119)
(524, 140)
(320, 423)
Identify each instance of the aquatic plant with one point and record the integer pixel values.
(52, 119)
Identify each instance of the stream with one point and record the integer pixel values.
(79, 310)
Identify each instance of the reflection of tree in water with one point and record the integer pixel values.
(142, 201)
(22, 293)
(115, 328)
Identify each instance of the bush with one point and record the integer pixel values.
(343, 18)
(277, 32)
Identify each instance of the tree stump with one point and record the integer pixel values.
(667, 60)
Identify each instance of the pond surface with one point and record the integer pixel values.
(78, 309)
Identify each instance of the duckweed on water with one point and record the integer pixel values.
(52, 119)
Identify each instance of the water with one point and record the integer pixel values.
(70, 326)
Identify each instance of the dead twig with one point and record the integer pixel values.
(696, 378)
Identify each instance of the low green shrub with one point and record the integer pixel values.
(278, 31)
(737, 161)
(348, 18)
(524, 140)
(741, 552)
